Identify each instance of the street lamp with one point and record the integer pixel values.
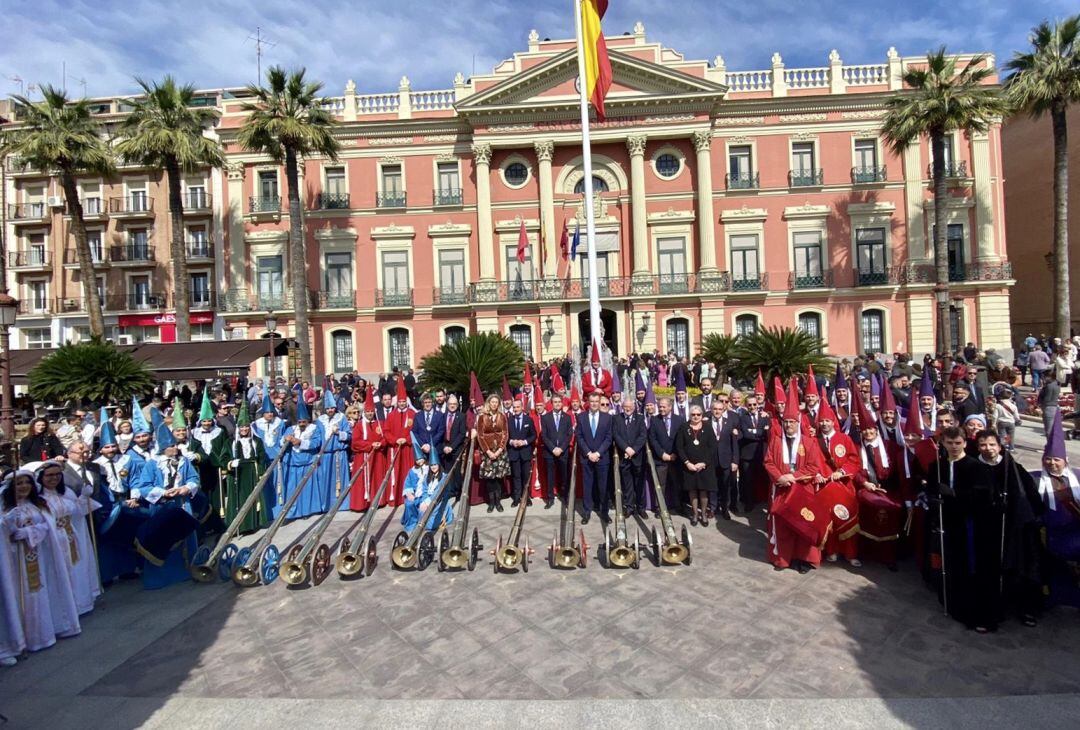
(8, 307)
(271, 327)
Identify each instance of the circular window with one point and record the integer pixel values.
(598, 185)
(667, 165)
(516, 174)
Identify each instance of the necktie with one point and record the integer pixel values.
(667, 425)
(449, 422)
(628, 420)
(593, 420)
(556, 425)
(519, 423)
(871, 471)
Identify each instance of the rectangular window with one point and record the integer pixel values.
(38, 338)
(97, 249)
(91, 199)
(516, 270)
(399, 348)
(807, 249)
(35, 250)
(80, 333)
(678, 337)
(395, 270)
(138, 245)
(745, 273)
(203, 332)
(810, 323)
(866, 154)
(343, 351)
(196, 197)
(671, 257)
(198, 243)
(200, 289)
(873, 325)
(335, 180)
(522, 337)
(452, 276)
(449, 185)
(392, 183)
(270, 282)
(39, 295)
(268, 189)
(602, 273)
(954, 239)
(139, 201)
(802, 157)
(871, 256)
(339, 280)
(140, 292)
(741, 168)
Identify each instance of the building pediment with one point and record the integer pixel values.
(551, 85)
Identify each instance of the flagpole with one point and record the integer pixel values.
(586, 153)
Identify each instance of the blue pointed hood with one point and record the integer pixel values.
(138, 420)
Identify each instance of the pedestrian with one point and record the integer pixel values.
(696, 446)
(1007, 416)
(1048, 398)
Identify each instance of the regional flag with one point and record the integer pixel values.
(597, 65)
(564, 241)
(575, 242)
(523, 244)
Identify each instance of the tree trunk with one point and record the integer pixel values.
(941, 250)
(178, 252)
(82, 252)
(298, 264)
(1062, 307)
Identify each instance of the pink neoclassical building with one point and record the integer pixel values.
(729, 200)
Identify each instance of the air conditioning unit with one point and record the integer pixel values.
(70, 304)
(125, 339)
(56, 201)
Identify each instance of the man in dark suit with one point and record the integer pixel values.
(662, 432)
(705, 400)
(629, 434)
(453, 442)
(725, 425)
(556, 431)
(519, 450)
(384, 407)
(594, 454)
(753, 438)
(428, 429)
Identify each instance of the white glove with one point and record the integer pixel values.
(234, 463)
(20, 533)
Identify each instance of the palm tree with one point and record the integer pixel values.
(165, 130)
(719, 350)
(287, 122)
(57, 134)
(1047, 80)
(781, 351)
(89, 371)
(490, 355)
(938, 100)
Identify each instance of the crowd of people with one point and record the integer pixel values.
(886, 459)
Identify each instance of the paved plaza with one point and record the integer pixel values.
(726, 641)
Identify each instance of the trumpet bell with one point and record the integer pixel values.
(348, 564)
(245, 576)
(674, 553)
(567, 557)
(203, 573)
(403, 557)
(622, 556)
(294, 573)
(455, 557)
(509, 557)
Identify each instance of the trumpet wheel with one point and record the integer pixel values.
(655, 547)
(525, 557)
(270, 565)
(474, 548)
(293, 554)
(371, 556)
(686, 544)
(320, 565)
(584, 549)
(345, 544)
(444, 545)
(427, 551)
(401, 539)
(637, 551)
(225, 562)
(201, 556)
(242, 558)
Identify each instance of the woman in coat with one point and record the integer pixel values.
(695, 445)
(492, 433)
(40, 443)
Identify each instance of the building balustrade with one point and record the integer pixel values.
(803, 280)
(449, 295)
(138, 253)
(332, 201)
(134, 205)
(32, 258)
(447, 196)
(390, 200)
(145, 301)
(393, 297)
(264, 204)
(97, 256)
(199, 248)
(952, 170)
(31, 306)
(743, 181)
(749, 282)
(863, 175)
(883, 276)
(806, 178)
(334, 300)
(196, 201)
(28, 212)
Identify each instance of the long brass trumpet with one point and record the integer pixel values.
(418, 549)
(673, 551)
(207, 564)
(361, 560)
(262, 561)
(454, 554)
(510, 555)
(564, 552)
(616, 551)
(298, 564)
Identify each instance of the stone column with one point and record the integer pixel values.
(545, 149)
(706, 238)
(636, 146)
(486, 249)
(984, 197)
(234, 265)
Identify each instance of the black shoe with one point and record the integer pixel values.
(725, 514)
(733, 511)
(528, 502)
(491, 508)
(892, 567)
(704, 521)
(515, 502)
(803, 568)
(605, 519)
(585, 519)
(548, 503)
(498, 507)
(693, 520)
(642, 513)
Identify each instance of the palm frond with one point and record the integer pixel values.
(488, 354)
(781, 351)
(92, 371)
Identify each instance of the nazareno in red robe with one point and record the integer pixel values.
(785, 544)
(398, 425)
(364, 437)
(843, 504)
(881, 514)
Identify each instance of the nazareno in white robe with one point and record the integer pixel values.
(12, 638)
(85, 581)
(49, 611)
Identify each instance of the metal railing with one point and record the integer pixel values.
(447, 196)
(390, 200)
(335, 300)
(878, 277)
(28, 211)
(202, 299)
(132, 204)
(132, 253)
(193, 201)
(759, 282)
(260, 204)
(199, 248)
(97, 256)
(26, 259)
(952, 169)
(393, 297)
(332, 201)
(449, 295)
(91, 207)
(806, 178)
(926, 273)
(33, 305)
(144, 302)
(798, 280)
(743, 181)
(874, 174)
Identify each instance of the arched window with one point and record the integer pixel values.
(746, 324)
(810, 323)
(399, 347)
(873, 331)
(598, 186)
(453, 335)
(521, 334)
(678, 336)
(342, 341)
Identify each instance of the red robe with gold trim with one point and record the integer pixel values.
(590, 383)
(398, 425)
(881, 514)
(365, 436)
(841, 455)
(786, 545)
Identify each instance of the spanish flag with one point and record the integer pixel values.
(597, 65)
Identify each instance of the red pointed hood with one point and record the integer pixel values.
(791, 405)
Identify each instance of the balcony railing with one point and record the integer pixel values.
(202, 299)
(617, 287)
(91, 208)
(799, 280)
(335, 300)
(146, 301)
(743, 181)
(449, 295)
(332, 201)
(243, 300)
(197, 201)
(199, 248)
(926, 273)
(97, 256)
(268, 204)
(862, 175)
(390, 200)
(749, 282)
(393, 297)
(952, 170)
(806, 178)
(447, 196)
(28, 211)
(27, 259)
(132, 253)
(33, 305)
(132, 204)
(878, 277)
(73, 304)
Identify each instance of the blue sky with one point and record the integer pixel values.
(106, 42)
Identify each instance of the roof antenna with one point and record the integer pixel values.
(259, 43)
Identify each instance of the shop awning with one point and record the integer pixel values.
(175, 360)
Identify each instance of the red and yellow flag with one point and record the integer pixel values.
(597, 65)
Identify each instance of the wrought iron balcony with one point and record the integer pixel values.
(73, 304)
(97, 256)
(35, 306)
(335, 300)
(449, 295)
(91, 208)
(395, 199)
(878, 277)
(802, 280)
(133, 205)
(875, 174)
(199, 248)
(749, 282)
(28, 212)
(806, 178)
(137, 253)
(29, 259)
(952, 170)
(145, 301)
(447, 196)
(243, 300)
(393, 297)
(264, 204)
(202, 299)
(926, 273)
(197, 201)
(743, 181)
(332, 201)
